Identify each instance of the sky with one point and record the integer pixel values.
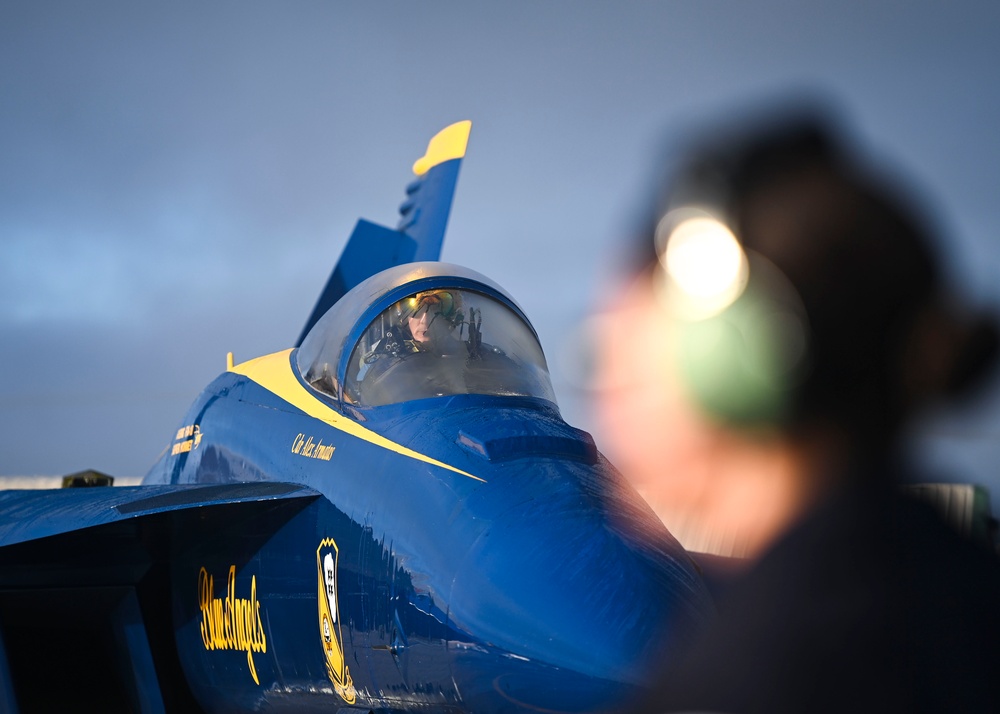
(178, 179)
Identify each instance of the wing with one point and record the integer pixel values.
(420, 233)
(88, 590)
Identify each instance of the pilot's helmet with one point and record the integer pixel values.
(444, 304)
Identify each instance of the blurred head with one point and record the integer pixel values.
(804, 290)
(790, 313)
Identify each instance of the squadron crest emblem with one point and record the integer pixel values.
(329, 621)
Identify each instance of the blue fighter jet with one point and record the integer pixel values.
(391, 516)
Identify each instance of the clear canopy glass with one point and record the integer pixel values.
(440, 341)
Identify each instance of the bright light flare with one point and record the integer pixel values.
(705, 264)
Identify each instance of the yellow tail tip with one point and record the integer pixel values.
(447, 144)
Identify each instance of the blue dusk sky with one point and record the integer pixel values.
(178, 179)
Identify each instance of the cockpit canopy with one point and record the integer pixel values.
(424, 330)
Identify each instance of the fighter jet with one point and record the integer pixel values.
(390, 516)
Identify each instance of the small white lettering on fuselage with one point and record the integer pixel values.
(306, 446)
(187, 438)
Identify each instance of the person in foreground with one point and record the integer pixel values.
(801, 321)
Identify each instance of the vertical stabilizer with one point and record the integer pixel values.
(420, 233)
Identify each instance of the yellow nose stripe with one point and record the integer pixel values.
(274, 373)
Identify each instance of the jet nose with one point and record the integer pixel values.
(579, 589)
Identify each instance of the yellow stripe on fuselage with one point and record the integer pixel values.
(274, 373)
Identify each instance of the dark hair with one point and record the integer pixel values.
(886, 335)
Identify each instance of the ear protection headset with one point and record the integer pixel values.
(740, 332)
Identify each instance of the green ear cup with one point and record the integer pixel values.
(742, 365)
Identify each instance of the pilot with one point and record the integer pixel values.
(785, 374)
(406, 362)
(431, 319)
(422, 322)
